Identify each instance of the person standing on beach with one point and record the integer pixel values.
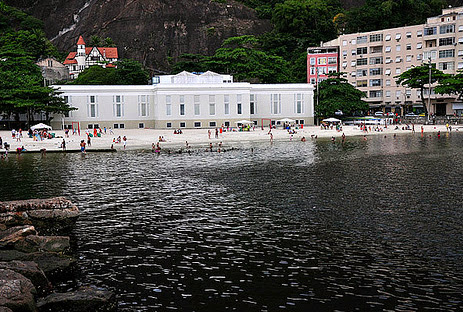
(82, 146)
(216, 133)
(209, 134)
(124, 139)
(89, 142)
(63, 145)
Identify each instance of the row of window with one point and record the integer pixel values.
(212, 124)
(323, 60)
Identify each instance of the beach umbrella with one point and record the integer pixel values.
(331, 120)
(244, 121)
(40, 126)
(286, 120)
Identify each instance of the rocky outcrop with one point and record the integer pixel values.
(160, 30)
(16, 291)
(29, 261)
(50, 216)
(83, 299)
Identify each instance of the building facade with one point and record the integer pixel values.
(371, 60)
(85, 57)
(185, 100)
(52, 71)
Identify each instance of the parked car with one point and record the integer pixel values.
(411, 115)
(390, 114)
(379, 114)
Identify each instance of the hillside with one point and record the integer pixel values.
(153, 32)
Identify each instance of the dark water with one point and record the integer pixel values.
(312, 226)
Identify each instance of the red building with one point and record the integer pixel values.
(323, 59)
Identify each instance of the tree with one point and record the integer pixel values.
(451, 84)
(418, 77)
(127, 72)
(337, 94)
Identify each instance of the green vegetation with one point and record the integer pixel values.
(337, 94)
(128, 72)
(96, 41)
(418, 77)
(451, 84)
(22, 43)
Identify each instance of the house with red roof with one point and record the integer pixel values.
(84, 57)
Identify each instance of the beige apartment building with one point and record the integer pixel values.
(373, 59)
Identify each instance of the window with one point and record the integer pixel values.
(376, 71)
(429, 54)
(408, 34)
(344, 64)
(397, 94)
(169, 125)
(352, 64)
(388, 93)
(321, 61)
(354, 52)
(447, 29)
(397, 48)
(409, 58)
(197, 105)
(377, 49)
(376, 82)
(276, 103)
(253, 104)
(332, 60)
(419, 57)
(398, 36)
(388, 60)
(363, 50)
(182, 125)
(362, 72)
(460, 28)
(141, 125)
(298, 103)
(332, 69)
(344, 42)
(362, 61)
(353, 74)
(121, 126)
(460, 40)
(239, 104)
(376, 60)
(387, 37)
(353, 41)
(312, 61)
(446, 41)
(344, 52)
(362, 83)
(197, 124)
(226, 104)
(408, 46)
(168, 105)
(398, 71)
(446, 53)
(116, 126)
(362, 39)
(388, 82)
(212, 124)
(387, 71)
(429, 31)
(398, 59)
(460, 65)
(446, 65)
(376, 93)
(419, 45)
(387, 49)
(90, 126)
(376, 37)
(92, 106)
(419, 33)
(211, 104)
(182, 105)
(143, 106)
(118, 106)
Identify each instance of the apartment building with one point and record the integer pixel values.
(371, 60)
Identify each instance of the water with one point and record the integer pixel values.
(368, 225)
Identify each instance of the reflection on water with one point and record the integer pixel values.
(297, 226)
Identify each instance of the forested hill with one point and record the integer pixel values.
(158, 32)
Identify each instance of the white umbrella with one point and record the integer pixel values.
(286, 120)
(331, 120)
(244, 121)
(41, 126)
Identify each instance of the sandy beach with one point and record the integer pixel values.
(197, 138)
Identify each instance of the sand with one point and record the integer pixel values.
(197, 138)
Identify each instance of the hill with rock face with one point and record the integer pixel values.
(154, 32)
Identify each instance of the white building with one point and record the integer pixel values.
(185, 101)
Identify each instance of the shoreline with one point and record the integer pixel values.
(142, 139)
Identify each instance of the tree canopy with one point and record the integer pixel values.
(337, 94)
(127, 72)
(22, 43)
(418, 78)
(451, 84)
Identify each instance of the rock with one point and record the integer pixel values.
(34, 243)
(55, 266)
(49, 216)
(5, 309)
(84, 299)
(16, 291)
(30, 270)
(12, 235)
